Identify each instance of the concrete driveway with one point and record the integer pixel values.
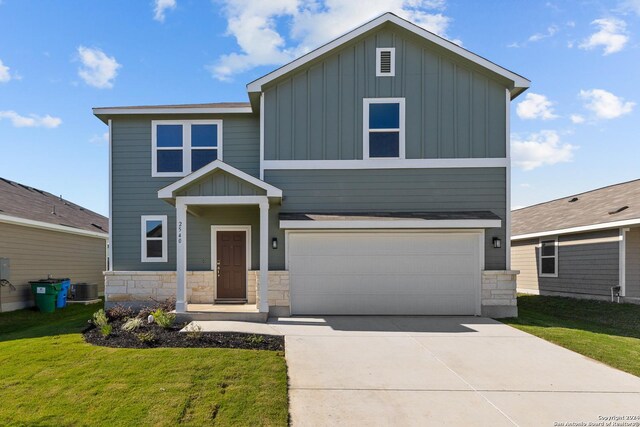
(408, 371)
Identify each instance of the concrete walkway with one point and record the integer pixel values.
(417, 371)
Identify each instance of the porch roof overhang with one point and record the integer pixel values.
(171, 191)
(389, 220)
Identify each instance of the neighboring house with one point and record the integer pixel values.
(45, 235)
(580, 245)
(369, 176)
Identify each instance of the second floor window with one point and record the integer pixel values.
(383, 127)
(183, 146)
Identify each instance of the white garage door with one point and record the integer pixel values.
(393, 273)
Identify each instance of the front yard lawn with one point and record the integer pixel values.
(603, 331)
(50, 376)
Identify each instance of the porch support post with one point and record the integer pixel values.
(181, 255)
(264, 257)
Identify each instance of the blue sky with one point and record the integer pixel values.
(577, 128)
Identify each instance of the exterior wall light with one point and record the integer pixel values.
(497, 243)
(274, 243)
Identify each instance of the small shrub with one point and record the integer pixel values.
(167, 306)
(255, 339)
(100, 318)
(132, 324)
(119, 312)
(146, 337)
(106, 329)
(194, 331)
(164, 319)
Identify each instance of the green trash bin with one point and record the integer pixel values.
(46, 293)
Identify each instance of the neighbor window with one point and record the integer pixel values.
(154, 238)
(383, 126)
(549, 258)
(184, 146)
(385, 62)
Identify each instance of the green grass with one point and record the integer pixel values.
(50, 376)
(607, 332)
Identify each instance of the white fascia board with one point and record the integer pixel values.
(390, 224)
(8, 219)
(168, 191)
(386, 164)
(169, 110)
(581, 229)
(518, 81)
(221, 200)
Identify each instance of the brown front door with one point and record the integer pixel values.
(231, 264)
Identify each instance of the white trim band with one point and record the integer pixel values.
(172, 110)
(390, 224)
(385, 164)
(8, 219)
(593, 227)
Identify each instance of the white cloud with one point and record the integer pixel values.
(630, 6)
(577, 119)
(32, 120)
(605, 105)
(5, 75)
(160, 7)
(525, 185)
(98, 69)
(612, 36)
(539, 149)
(551, 31)
(100, 139)
(276, 31)
(536, 106)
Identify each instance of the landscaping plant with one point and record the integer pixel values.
(100, 318)
(106, 330)
(164, 319)
(132, 324)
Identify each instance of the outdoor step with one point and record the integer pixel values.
(244, 316)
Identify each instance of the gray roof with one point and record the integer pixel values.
(598, 206)
(26, 202)
(364, 216)
(207, 105)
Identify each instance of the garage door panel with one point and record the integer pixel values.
(428, 264)
(384, 273)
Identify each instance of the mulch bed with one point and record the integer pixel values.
(175, 339)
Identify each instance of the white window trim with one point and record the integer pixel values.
(143, 237)
(379, 51)
(365, 127)
(548, 239)
(186, 145)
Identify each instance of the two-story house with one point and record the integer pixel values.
(369, 176)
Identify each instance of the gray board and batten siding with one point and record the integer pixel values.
(454, 109)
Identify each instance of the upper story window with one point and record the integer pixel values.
(385, 62)
(383, 127)
(549, 258)
(180, 147)
(154, 238)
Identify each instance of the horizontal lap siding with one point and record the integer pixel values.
(587, 264)
(135, 192)
(35, 254)
(388, 190)
(453, 110)
(524, 259)
(633, 263)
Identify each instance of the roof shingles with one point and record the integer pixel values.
(26, 202)
(593, 207)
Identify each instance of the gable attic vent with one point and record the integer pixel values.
(575, 199)
(618, 210)
(385, 61)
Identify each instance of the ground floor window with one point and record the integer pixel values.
(154, 238)
(549, 258)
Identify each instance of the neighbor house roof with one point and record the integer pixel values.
(22, 204)
(608, 207)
